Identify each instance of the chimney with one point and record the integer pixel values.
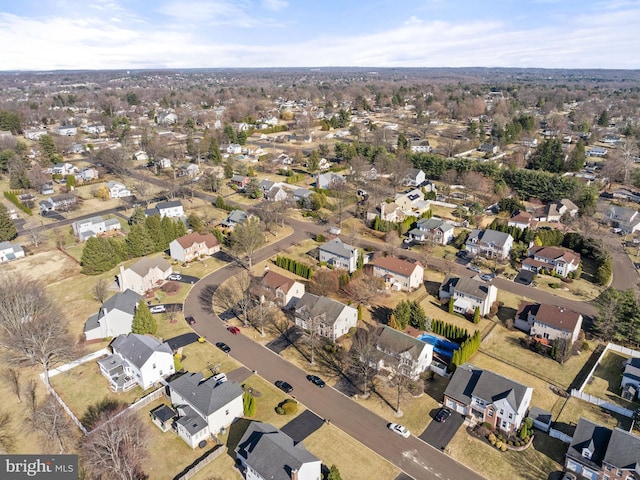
(121, 279)
(294, 474)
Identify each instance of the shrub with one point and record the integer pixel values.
(492, 438)
(170, 287)
(290, 407)
(488, 426)
(585, 346)
(498, 444)
(320, 238)
(279, 410)
(503, 447)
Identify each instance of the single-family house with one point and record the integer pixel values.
(67, 130)
(276, 194)
(162, 162)
(522, 219)
(63, 168)
(118, 190)
(190, 170)
(234, 149)
(468, 294)
(234, 218)
(167, 118)
(401, 353)
(599, 453)
(630, 383)
(114, 318)
(397, 273)
(596, 152)
(529, 142)
(35, 133)
(76, 148)
(548, 322)
(95, 129)
(302, 196)
(486, 397)
(205, 406)
(10, 251)
(145, 274)
(171, 209)
(136, 360)
(489, 243)
(240, 181)
(489, 148)
(327, 317)
(433, 230)
(391, 212)
(267, 453)
(554, 211)
(555, 260)
(627, 219)
(87, 174)
(413, 202)
(141, 156)
(421, 149)
(58, 203)
(91, 227)
(193, 246)
(339, 254)
(329, 180)
(47, 189)
(284, 291)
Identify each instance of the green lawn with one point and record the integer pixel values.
(606, 379)
(567, 416)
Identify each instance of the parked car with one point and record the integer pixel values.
(316, 380)
(158, 309)
(442, 415)
(175, 276)
(234, 330)
(219, 378)
(568, 476)
(473, 268)
(399, 429)
(461, 254)
(284, 386)
(487, 277)
(190, 320)
(223, 346)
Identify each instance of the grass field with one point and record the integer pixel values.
(606, 379)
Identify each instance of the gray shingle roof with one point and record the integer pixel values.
(204, 395)
(313, 306)
(272, 453)
(592, 436)
(142, 266)
(392, 340)
(126, 301)
(468, 286)
(171, 204)
(488, 236)
(339, 248)
(137, 349)
(190, 420)
(469, 381)
(428, 224)
(623, 450)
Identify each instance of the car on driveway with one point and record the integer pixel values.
(175, 276)
(234, 330)
(473, 268)
(158, 309)
(399, 429)
(284, 386)
(316, 380)
(190, 320)
(223, 346)
(487, 277)
(442, 415)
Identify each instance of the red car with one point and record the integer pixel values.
(234, 330)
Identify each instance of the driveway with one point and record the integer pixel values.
(182, 340)
(184, 278)
(439, 434)
(303, 425)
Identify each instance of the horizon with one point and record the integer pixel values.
(69, 35)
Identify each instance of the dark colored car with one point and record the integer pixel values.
(223, 346)
(234, 330)
(316, 380)
(190, 320)
(284, 386)
(442, 415)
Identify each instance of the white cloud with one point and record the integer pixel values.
(275, 5)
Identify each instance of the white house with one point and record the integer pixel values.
(64, 168)
(91, 227)
(95, 129)
(193, 246)
(553, 259)
(284, 291)
(234, 218)
(141, 156)
(35, 134)
(484, 396)
(114, 318)
(397, 273)
(204, 406)
(399, 351)
(432, 230)
(118, 190)
(328, 317)
(548, 322)
(136, 360)
(172, 209)
(62, 202)
(630, 383)
(10, 251)
(626, 219)
(414, 177)
(521, 219)
(468, 293)
(190, 170)
(267, 453)
(145, 274)
(167, 118)
(489, 243)
(329, 179)
(339, 254)
(234, 149)
(67, 130)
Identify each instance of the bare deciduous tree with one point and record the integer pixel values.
(364, 289)
(36, 236)
(246, 238)
(6, 437)
(235, 294)
(12, 377)
(364, 357)
(116, 448)
(53, 424)
(100, 290)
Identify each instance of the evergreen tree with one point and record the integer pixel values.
(214, 152)
(334, 473)
(143, 321)
(228, 168)
(476, 315)
(155, 232)
(138, 216)
(8, 230)
(98, 256)
(577, 158)
(139, 243)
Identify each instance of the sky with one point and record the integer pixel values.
(141, 34)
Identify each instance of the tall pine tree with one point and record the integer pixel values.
(143, 321)
(98, 256)
(7, 228)
(139, 243)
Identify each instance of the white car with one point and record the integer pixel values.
(399, 429)
(175, 276)
(158, 309)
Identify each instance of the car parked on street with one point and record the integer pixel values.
(473, 268)
(487, 277)
(190, 320)
(442, 415)
(158, 309)
(284, 386)
(234, 330)
(399, 429)
(223, 346)
(316, 380)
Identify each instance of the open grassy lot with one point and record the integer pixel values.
(505, 344)
(47, 266)
(606, 379)
(200, 355)
(546, 455)
(334, 447)
(577, 290)
(266, 403)
(566, 418)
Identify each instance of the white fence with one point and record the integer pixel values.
(601, 403)
(563, 437)
(68, 410)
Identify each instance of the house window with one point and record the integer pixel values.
(226, 412)
(154, 366)
(490, 413)
(501, 411)
(511, 416)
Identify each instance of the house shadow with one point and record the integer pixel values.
(236, 430)
(506, 313)
(381, 313)
(432, 287)
(435, 387)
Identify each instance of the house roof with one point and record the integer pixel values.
(163, 412)
(488, 236)
(434, 223)
(555, 254)
(191, 420)
(395, 265)
(392, 340)
(568, 204)
(271, 452)
(540, 415)
(592, 436)
(236, 216)
(205, 397)
(142, 266)
(187, 241)
(623, 450)
(137, 349)
(468, 286)
(521, 217)
(632, 369)
(556, 317)
(469, 381)
(274, 280)
(314, 306)
(622, 214)
(126, 301)
(339, 248)
(171, 204)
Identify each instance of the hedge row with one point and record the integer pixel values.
(13, 198)
(294, 266)
(449, 331)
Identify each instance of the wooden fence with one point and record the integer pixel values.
(201, 462)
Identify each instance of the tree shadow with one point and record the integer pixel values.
(206, 298)
(380, 313)
(506, 313)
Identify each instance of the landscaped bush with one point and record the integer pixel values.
(170, 287)
(290, 407)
